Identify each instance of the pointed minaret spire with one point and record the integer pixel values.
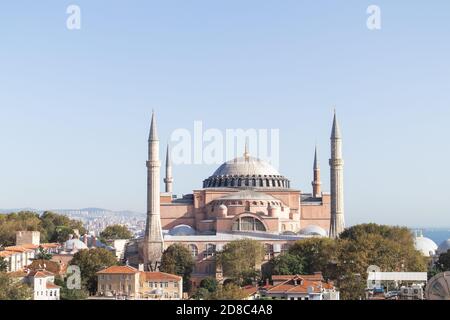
(337, 221)
(246, 153)
(336, 131)
(317, 193)
(168, 180)
(153, 130)
(153, 240)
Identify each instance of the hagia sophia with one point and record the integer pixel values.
(244, 198)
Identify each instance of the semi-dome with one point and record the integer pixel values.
(246, 172)
(444, 247)
(313, 230)
(425, 245)
(182, 230)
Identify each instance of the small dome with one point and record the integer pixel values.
(425, 245)
(182, 230)
(74, 244)
(313, 230)
(444, 247)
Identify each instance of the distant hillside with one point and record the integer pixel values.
(84, 212)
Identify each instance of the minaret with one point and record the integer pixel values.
(168, 180)
(153, 241)
(337, 223)
(246, 152)
(316, 184)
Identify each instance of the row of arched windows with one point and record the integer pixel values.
(210, 250)
(246, 182)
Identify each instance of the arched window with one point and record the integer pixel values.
(210, 250)
(193, 249)
(248, 224)
(268, 248)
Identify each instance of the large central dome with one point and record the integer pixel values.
(246, 172)
(246, 167)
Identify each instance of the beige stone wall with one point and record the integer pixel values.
(169, 289)
(127, 284)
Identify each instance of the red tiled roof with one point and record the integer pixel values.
(313, 277)
(303, 285)
(52, 286)
(40, 274)
(50, 245)
(18, 249)
(250, 290)
(4, 254)
(30, 246)
(160, 276)
(119, 270)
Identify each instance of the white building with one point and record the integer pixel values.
(43, 285)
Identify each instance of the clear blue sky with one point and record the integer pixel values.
(75, 105)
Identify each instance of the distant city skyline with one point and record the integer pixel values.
(75, 106)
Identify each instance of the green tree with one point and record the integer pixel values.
(209, 284)
(115, 232)
(241, 259)
(390, 248)
(227, 292)
(443, 264)
(207, 287)
(47, 224)
(285, 264)
(91, 262)
(21, 221)
(13, 289)
(317, 255)
(178, 260)
(352, 287)
(70, 294)
(3, 265)
(58, 227)
(43, 254)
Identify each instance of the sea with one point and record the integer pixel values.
(438, 235)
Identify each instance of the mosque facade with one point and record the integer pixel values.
(244, 198)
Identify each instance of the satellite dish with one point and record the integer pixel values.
(438, 288)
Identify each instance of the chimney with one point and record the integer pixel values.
(141, 267)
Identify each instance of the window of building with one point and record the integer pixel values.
(210, 250)
(175, 284)
(248, 224)
(193, 249)
(166, 284)
(268, 248)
